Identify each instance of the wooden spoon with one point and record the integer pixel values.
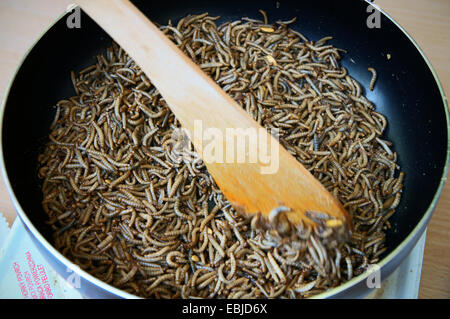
(196, 100)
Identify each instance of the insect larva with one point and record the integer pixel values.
(276, 267)
(119, 180)
(274, 214)
(106, 241)
(176, 232)
(216, 289)
(160, 279)
(127, 277)
(173, 254)
(206, 220)
(177, 211)
(349, 268)
(301, 288)
(221, 275)
(271, 271)
(89, 257)
(178, 180)
(205, 277)
(396, 201)
(374, 78)
(216, 245)
(75, 186)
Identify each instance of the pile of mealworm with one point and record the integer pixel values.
(129, 208)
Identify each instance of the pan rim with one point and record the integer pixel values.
(120, 293)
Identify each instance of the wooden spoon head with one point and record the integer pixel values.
(291, 185)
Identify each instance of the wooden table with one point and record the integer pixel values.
(428, 22)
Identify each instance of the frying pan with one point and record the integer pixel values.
(407, 92)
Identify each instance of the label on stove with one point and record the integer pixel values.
(24, 271)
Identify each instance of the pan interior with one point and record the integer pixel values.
(405, 92)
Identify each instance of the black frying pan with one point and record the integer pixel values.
(407, 92)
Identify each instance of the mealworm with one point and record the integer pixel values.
(374, 78)
(127, 277)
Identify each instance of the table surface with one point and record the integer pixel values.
(427, 21)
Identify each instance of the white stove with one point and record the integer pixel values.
(26, 274)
